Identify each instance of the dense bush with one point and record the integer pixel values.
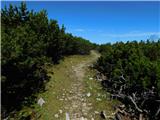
(133, 69)
(29, 41)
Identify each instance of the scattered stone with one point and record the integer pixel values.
(92, 118)
(41, 102)
(70, 92)
(69, 98)
(88, 94)
(64, 97)
(75, 106)
(82, 118)
(89, 104)
(61, 99)
(112, 113)
(67, 116)
(82, 99)
(122, 106)
(90, 78)
(85, 114)
(98, 99)
(79, 94)
(60, 111)
(56, 115)
(84, 104)
(96, 112)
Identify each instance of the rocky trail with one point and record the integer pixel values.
(73, 93)
(79, 108)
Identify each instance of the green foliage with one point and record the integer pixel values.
(29, 41)
(138, 62)
(133, 69)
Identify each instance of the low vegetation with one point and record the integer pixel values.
(33, 45)
(132, 74)
(30, 41)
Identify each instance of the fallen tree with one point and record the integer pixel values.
(140, 104)
(131, 73)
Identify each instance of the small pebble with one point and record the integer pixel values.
(60, 111)
(96, 112)
(56, 115)
(61, 99)
(98, 99)
(88, 94)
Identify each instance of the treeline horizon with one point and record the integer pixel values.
(132, 73)
(30, 42)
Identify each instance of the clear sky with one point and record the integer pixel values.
(105, 21)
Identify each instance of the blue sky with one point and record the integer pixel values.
(103, 22)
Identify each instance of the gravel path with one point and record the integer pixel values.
(79, 107)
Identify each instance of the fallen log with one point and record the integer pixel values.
(137, 108)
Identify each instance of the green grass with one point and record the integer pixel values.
(61, 82)
(61, 79)
(99, 97)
